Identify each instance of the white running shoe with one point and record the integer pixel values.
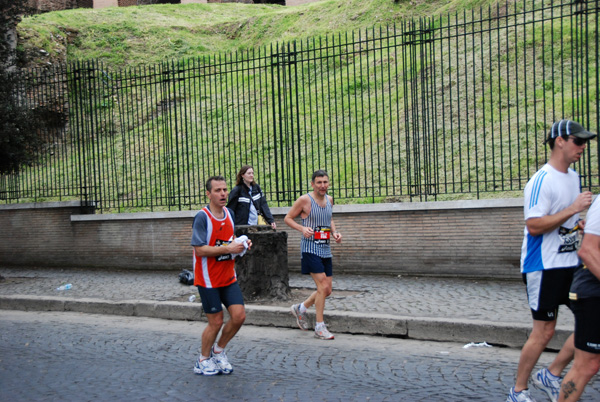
(322, 333)
(300, 318)
(548, 383)
(221, 361)
(206, 367)
(522, 396)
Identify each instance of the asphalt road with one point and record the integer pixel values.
(46, 356)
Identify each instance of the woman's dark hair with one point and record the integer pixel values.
(239, 180)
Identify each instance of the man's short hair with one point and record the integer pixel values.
(319, 173)
(211, 179)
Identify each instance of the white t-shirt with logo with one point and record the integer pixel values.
(548, 192)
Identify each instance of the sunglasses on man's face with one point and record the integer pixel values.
(579, 141)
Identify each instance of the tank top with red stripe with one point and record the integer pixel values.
(216, 272)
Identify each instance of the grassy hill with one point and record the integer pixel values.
(130, 36)
(454, 108)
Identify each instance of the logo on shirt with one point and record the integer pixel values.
(569, 239)
(219, 243)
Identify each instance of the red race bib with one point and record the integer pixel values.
(322, 234)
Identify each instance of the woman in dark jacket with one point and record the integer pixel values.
(247, 201)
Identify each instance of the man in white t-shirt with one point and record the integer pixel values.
(553, 202)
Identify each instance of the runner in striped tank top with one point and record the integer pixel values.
(317, 228)
(320, 220)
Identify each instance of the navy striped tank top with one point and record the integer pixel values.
(319, 220)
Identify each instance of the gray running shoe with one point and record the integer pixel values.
(323, 333)
(300, 318)
(548, 383)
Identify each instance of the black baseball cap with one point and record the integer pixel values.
(565, 128)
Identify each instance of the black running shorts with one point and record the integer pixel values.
(587, 324)
(546, 290)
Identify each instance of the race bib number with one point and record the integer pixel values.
(569, 239)
(322, 234)
(219, 243)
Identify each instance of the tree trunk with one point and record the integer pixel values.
(263, 271)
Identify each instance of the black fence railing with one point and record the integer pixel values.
(443, 108)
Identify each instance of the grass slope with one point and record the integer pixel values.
(362, 113)
(130, 36)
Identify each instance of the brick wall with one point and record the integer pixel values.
(38, 234)
(469, 238)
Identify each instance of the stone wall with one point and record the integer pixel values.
(56, 5)
(467, 238)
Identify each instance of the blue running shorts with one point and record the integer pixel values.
(313, 264)
(212, 298)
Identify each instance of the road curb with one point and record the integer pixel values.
(417, 328)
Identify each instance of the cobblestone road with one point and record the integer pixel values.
(77, 357)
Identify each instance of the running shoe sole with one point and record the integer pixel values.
(199, 370)
(325, 338)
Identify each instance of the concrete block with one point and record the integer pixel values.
(98, 306)
(371, 324)
(269, 316)
(106, 3)
(31, 303)
(177, 311)
(466, 331)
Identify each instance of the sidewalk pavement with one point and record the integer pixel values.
(422, 308)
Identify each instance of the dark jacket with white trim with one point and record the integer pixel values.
(239, 203)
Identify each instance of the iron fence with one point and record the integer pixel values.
(450, 107)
